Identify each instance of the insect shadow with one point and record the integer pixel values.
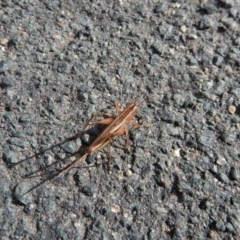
(50, 175)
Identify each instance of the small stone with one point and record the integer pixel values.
(213, 235)
(3, 41)
(116, 208)
(155, 60)
(176, 152)
(237, 41)
(6, 83)
(5, 65)
(19, 142)
(234, 219)
(15, 40)
(25, 227)
(223, 177)
(21, 193)
(206, 138)
(78, 68)
(221, 161)
(85, 138)
(129, 173)
(194, 220)
(176, 5)
(192, 36)
(24, 119)
(63, 68)
(10, 158)
(229, 227)
(33, 142)
(69, 147)
(214, 169)
(183, 28)
(231, 109)
(88, 190)
(227, 3)
(160, 8)
(234, 173)
(220, 226)
(217, 60)
(139, 9)
(204, 24)
(48, 159)
(84, 21)
(229, 137)
(209, 8)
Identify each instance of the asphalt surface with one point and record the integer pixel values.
(63, 61)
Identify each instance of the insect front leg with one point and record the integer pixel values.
(119, 110)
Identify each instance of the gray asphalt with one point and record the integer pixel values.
(63, 61)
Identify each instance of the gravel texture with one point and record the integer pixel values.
(62, 61)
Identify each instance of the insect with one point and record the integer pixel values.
(116, 126)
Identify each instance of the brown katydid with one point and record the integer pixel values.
(116, 126)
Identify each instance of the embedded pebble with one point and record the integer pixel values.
(5, 65)
(231, 109)
(69, 147)
(21, 193)
(221, 160)
(183, 28)
(235, 173)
